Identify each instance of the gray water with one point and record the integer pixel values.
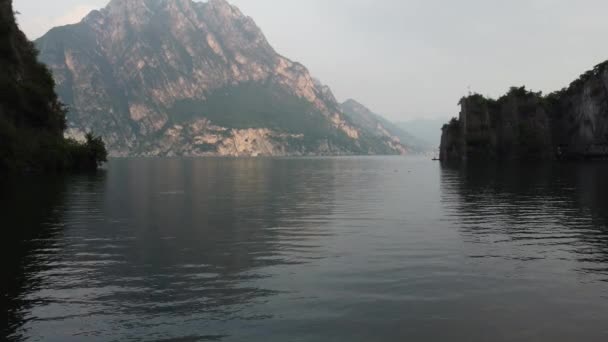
(320, 249)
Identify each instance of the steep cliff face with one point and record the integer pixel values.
(452, 141)
(32, 119)
(160, 77)
(580, 114)
(571, 123)
(27, 98)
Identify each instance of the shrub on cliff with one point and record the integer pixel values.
(453, 125)
(32, 119)
(34, 150)
(88, 155)
(476, 99)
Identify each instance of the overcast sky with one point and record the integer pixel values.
(411, 58)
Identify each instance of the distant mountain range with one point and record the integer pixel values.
(363, 117)
(178, 77)
(427, 130)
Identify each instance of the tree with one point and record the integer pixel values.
(96, 150)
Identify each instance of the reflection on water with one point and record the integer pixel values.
(345, 249)
(538, 211)
(32, 222)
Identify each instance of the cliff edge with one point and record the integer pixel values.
(568, 124)
(32, 119)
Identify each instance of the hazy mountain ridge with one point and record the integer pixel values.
(379, 127)
(128, 70)
(427, 130)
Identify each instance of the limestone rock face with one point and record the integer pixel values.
(571, 123)
(126, 70)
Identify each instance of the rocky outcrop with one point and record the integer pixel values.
(452, 142)
(128, 69)
(32, 119)
(571, 123)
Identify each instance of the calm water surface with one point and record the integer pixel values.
(336, 249)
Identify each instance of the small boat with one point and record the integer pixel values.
(436, 158)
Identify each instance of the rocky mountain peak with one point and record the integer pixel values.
(127, 7)
(133, 4)
(223, 8)
(144, 69)
(144, 8)
(121, 16)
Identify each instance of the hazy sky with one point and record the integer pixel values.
(411, 58)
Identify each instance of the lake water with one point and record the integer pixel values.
(318, 249)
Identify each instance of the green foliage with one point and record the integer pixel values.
(530, 125)
(95, 153)
(37, 150)
(577, 84)
(453, 126)
(474, 99)
(84, 156)
(256, 105)
(477, 100)
(267, 105)
(521, 92)
(32, 119)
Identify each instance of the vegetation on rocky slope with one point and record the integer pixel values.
(522, 124)
(173, 77)
(32, 119)
(264, 105)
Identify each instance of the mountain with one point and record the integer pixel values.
(377, 126)
(374, 125)
(568, 124)
(32, 119)
(427, 130)
(178, 77)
